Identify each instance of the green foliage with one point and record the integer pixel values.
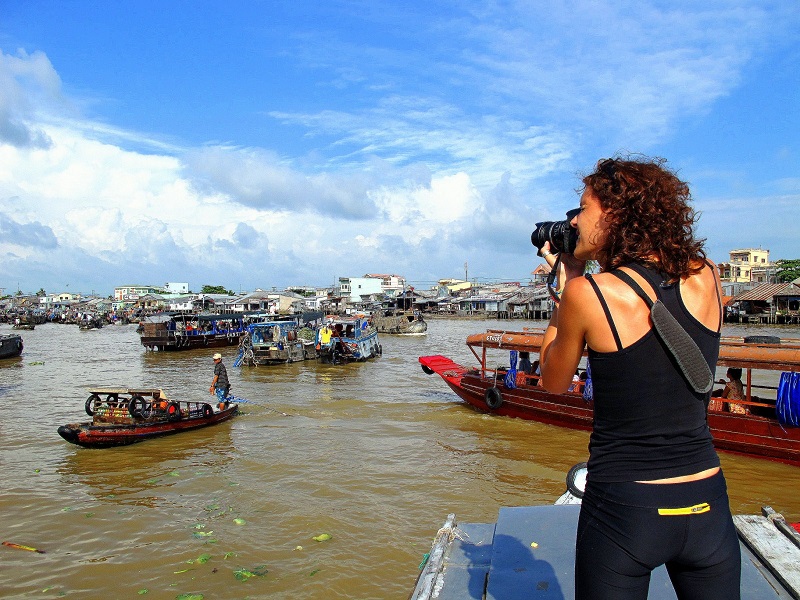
(216, 289)
(788, 269)
(41, 293)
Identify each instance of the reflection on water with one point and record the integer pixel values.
(375, 454)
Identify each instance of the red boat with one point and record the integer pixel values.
(757, 433)
(126, 416)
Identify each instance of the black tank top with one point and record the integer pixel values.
(648, 421)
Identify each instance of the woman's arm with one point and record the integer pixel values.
(565, 336)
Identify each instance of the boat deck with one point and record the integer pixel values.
(529, 553)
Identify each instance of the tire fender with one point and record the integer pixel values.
(493, 398)
(90, 402)
(208, 412)
(427, 370)
(136, 406)
(173, 411)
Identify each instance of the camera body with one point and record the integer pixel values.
(561, 235)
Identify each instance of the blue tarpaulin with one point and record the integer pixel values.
(788, 401)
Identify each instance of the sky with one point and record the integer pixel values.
(284, 143)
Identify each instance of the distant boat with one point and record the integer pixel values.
(122, 416)
(276, 342)
(10, 345)
(409, 322)
(175, 331)
(347, 339)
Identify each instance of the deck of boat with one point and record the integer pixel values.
(529, 553)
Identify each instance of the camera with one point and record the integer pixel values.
(562, 236)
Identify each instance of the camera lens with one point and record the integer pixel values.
(561, 235)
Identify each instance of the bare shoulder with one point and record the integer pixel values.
(701, 295)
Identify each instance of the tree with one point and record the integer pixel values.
(216, 289)
(788, 269)
(41, 293)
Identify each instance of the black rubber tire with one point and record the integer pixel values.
(571, 476)
(112, 400)
(173, 411)
(136, 406)
(493, 397)
(762, 339)
(90, 401)
(208, 412)
(426, 369)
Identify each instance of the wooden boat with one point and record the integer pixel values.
(350, 339)
(408, 322)
(530, 553)
(758, 433)
(122, 416)
(10, 345)
(170, 332)
(276, 342)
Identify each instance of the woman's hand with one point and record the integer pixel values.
(569, 267)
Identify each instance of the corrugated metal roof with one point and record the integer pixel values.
(762, 292)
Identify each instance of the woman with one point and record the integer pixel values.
(655, 493)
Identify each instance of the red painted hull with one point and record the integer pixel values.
(109, 435)
(751, 435)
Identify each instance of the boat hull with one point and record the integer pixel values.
(89, 435)
(173, 343)
(750, 435)
(10, 346)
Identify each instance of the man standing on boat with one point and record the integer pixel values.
(220, 384)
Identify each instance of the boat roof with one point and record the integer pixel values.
(734, 351)
(533, 548)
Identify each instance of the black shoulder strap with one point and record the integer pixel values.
(604, 304)
(683, 348)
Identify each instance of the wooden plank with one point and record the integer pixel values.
(773, 548)
(435, 563)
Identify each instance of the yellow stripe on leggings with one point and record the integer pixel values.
(686, 510)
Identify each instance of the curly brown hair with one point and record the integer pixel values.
(649, 215)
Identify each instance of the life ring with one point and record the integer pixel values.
(136, 406)
(208, 412)
(762, 339)
(426, 369)
(90, 402)
(173, 412)
(493, 398)
(576, 479)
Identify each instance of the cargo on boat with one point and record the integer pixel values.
(763, 424)
(122, 416)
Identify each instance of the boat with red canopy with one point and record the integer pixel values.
(757, 431)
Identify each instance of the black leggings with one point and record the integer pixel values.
(627, 529)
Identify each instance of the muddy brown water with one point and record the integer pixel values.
(374, 454)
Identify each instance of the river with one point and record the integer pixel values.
(374, 454)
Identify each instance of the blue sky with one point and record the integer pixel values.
(266, 144)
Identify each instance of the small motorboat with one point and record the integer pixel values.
(122, 416)
(10, 345)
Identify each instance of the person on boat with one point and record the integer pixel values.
(733, 390)
(525, 365)
(655, 493)
(220, 384)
